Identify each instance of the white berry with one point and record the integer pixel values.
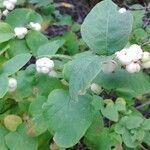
(145, 56)
(44, 65)
(123, 57)
(146, 65)
(96, 88)
(135, 52)
(8, 5)
(133, 67)
(122, 10)
(109, 67)
(5, 12)
(20, 32)
(35, 26)
(12, 84)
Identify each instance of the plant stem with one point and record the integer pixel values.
(143, 105)
(143, 148)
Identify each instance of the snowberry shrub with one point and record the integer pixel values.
(46, 94)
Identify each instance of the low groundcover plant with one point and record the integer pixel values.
(57, 92)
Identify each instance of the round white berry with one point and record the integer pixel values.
(12, 84)
(44, 65)
(122, 10)
(5, 12)
(133, 67)
(135, 52)
(145, 56)
(8, 5)
(96, 88)
(123, 57)
(146, 65)
(20, 32)
(45, 70)
(35, 26)
(109, 67)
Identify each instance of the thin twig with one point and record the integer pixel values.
(143, 105)
(143, 148)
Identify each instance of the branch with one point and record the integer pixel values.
(143, 105)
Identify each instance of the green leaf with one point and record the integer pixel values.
(128, 140)
(24, 86)
(16, 63)
(105, 30)
(4, 85)
(110, 112)
(147, 138)
(43, 141)
(68, 120)
(17, 47)
(146, 124)
(20, 139)
(51, 84)
(140, 35)
(24, 17)
(132, 122)
(34, 40)
(104, 141)
(72, 43)
(6, 33)
(83, 72)
(11, 122)
(3, 132)
(124, 83)
(138, 16)
(38, 124)
(50, 48)
(120, 104)
(95, 129)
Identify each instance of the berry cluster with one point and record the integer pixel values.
(133, 58)
(21, 32)
(46, 66)
(9, 5)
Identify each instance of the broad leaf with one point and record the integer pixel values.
(147, 138)
(126, 85)
(37, 124)
(110, 112)
(24, 17)
(6, 33)
(67, 119)
(83, 72)
(128, 140)
(95, 129)
(20, 140)
(35, 40)
(50, 48)
(3, 132)
(16, 63)
(146, 124)
(133, 122)
(105, 30)
(3, 85)
(17, 47)
(138, 16)
(104, 141)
